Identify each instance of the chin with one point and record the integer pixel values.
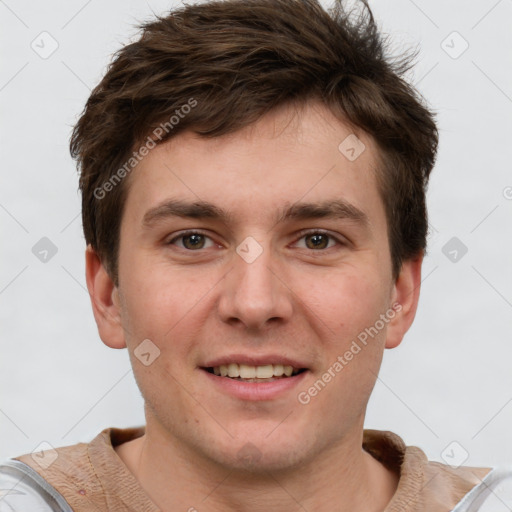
(250, 459)
(263, 454)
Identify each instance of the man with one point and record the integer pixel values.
(253, 178)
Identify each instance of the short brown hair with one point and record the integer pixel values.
(233, 61)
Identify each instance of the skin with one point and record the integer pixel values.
(296, 299)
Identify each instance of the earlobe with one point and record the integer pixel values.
(105, 301)
(405, 297)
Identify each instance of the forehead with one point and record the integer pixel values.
(289, 156)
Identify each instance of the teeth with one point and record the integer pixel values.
(264, 372)
(233, 370)
(245, 371)
(278, 370)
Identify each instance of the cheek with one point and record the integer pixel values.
(156, 301)
(353, 345)
(167, 317)
(344, 301)
(170, 309)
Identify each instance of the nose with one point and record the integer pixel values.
(255, 294)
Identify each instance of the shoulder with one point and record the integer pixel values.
(52, 479)
(44, 481)
(22, 489)
(68, 478)
(430, 486)
(492, 494)
(464, 488)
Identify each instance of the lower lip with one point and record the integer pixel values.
(255, 390)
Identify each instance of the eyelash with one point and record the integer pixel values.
(301, 234)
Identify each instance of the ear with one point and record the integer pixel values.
(405, 296)
(105, 301)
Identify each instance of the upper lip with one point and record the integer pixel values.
(255, 360)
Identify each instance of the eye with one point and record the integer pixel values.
(318, 240)
(192, 240)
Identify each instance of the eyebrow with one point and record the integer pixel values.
(338, 209)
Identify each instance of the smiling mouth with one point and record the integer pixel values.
(248, 373)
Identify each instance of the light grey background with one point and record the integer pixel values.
(449, 381)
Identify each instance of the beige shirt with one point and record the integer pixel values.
(91, 476)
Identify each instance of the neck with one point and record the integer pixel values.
(344, 474)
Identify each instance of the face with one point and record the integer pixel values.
(258, 254)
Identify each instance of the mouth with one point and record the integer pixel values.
(270, 378)
(255, 374)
